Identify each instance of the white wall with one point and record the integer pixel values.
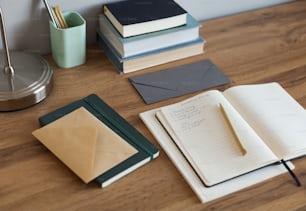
(26, 21)
(207, 9)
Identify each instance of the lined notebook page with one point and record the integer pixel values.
(199, 129)
(274, 114)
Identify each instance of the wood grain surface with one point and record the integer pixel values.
(255, 47)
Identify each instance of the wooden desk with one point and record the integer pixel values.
(254, 47)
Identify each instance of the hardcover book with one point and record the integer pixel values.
(134, 45)
(134, 17)
(150, 58)
(94, 141)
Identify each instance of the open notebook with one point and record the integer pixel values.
(270, 125)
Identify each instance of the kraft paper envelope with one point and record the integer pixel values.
(177, 81)
(84, 144)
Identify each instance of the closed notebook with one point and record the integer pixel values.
(94, 141)
(86, 145)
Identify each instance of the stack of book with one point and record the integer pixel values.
(136, 34)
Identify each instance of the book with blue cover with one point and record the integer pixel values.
(134, 17)
(150, 58)
(130, 46)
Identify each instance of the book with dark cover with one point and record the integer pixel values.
(133, 17)
(96, 106)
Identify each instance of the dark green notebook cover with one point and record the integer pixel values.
(146, 150)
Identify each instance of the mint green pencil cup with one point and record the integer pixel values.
(68, 45)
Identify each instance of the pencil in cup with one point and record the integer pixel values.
(68, 45)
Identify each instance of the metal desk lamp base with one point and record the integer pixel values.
(25, 83)
(31, 84)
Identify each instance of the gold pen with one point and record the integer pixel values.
(226, 117)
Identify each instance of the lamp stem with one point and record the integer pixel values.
(8, 68)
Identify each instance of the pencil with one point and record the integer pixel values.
(226, 117)
(60, 17)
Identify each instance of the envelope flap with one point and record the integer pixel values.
(175, 78)
(111, 150)
(157, 80)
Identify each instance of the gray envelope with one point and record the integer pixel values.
(177, 81)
